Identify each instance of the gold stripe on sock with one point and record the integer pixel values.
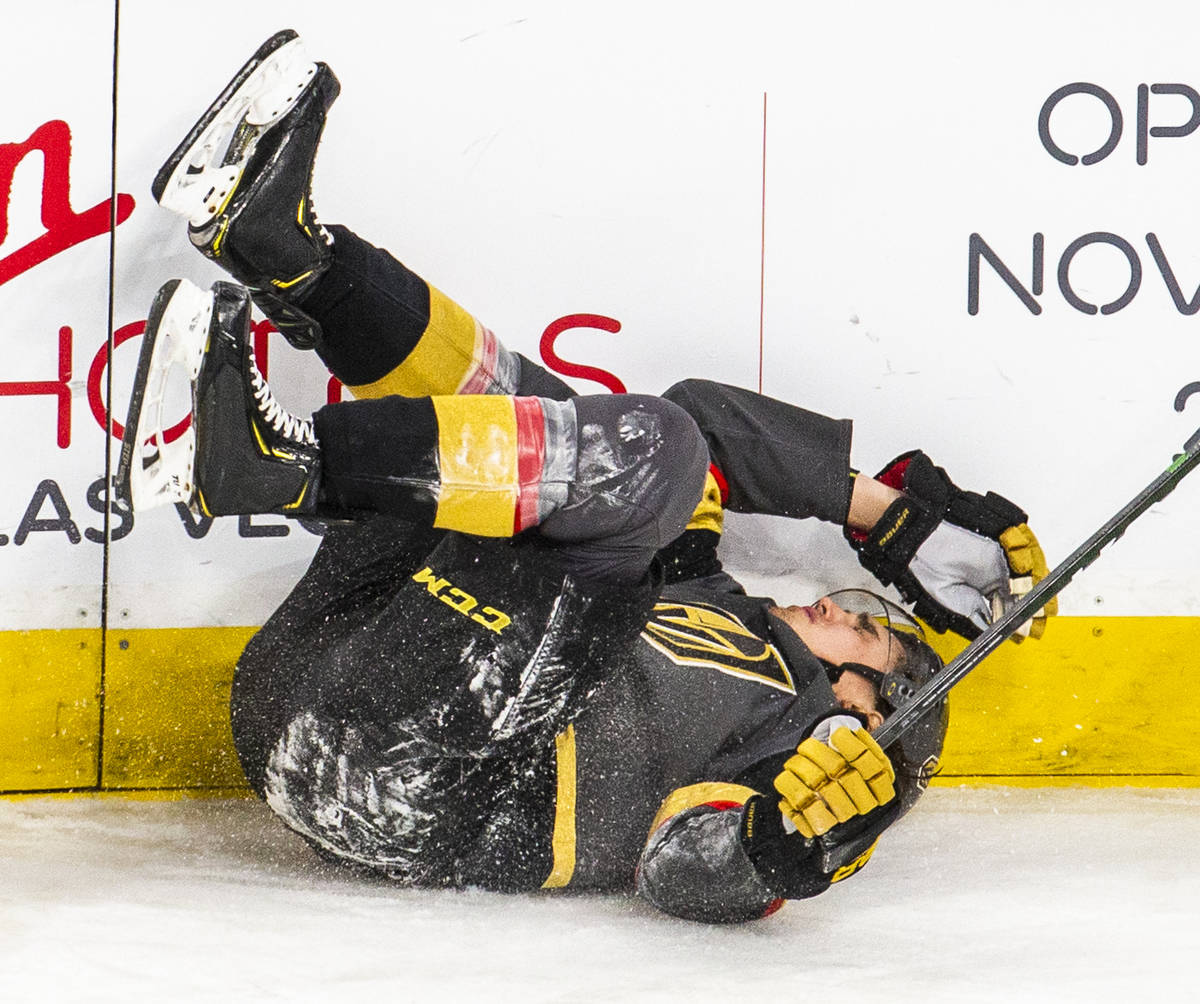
(440, 362)
(477, 464)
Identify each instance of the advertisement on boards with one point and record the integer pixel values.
(984, 251)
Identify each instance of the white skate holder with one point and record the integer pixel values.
(162, 472)
(202, 180)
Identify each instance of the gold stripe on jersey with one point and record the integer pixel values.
(441, 361)
(682, 799)
(564, 812)
(477, 464)
(697, 634)
(709, 514)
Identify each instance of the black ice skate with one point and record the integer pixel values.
(243, 453)
(243, 176)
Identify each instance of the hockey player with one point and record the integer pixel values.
(515, 660)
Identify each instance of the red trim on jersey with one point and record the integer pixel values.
(722, 805)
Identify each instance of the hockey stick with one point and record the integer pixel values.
(936, 688)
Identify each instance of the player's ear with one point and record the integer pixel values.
(874, 720)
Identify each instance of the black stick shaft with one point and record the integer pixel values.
(939, 685)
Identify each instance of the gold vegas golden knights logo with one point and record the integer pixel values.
(696, 634)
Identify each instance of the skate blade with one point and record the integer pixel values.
(164, 173)
(201, 175)
(152, 471)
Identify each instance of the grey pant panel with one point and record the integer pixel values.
(639, 476)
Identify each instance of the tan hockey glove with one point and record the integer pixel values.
(829, 782)
(1029, 567)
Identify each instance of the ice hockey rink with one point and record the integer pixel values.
(980, 894)
(792, 197)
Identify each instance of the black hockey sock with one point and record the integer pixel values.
(380, 456)
(371, 309)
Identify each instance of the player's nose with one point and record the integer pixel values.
(830, 611)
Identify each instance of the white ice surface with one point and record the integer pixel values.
(983, 894)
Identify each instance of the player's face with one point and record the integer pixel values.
(837, 636)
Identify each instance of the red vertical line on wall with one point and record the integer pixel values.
(106, 564)
(762, 250)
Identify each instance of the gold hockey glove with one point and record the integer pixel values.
(1029, 567)
(827, 783)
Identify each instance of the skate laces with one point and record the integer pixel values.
(282, 421)
(325, 235)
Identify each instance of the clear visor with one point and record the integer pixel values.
(890, 615)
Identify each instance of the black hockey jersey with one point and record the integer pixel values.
(712, 693)
(440, 709)
(451, 711)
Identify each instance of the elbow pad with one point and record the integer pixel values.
(695, 866)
